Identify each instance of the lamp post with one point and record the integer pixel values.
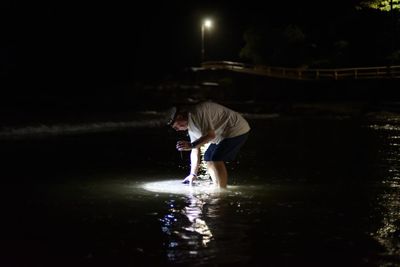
(205, 24)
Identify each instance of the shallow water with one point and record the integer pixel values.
(305, 191)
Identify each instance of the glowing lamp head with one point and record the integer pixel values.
(207, 23)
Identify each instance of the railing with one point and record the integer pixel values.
(385, 72)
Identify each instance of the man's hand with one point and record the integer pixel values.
(189, 179)
(183, 146)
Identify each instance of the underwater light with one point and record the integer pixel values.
(177, 187)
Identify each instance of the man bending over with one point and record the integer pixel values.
(208, 122)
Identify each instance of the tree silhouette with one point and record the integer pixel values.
(362, 36)
(275, 46)
(383, 5)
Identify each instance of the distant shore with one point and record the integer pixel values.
(244, 93)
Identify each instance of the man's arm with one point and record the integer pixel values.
(194, 165)
(186, 146)
(204, 139)
(195, 154)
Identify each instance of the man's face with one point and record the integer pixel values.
(180, 123)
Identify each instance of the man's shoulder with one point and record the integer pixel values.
(203, 110)
(206, 105)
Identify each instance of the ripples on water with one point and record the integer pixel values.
(276, 222)
(191, 224)
(147, 119)
(388, 234)
(204, 226)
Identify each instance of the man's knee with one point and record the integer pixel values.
(214, 163)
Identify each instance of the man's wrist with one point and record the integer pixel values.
(194, 144)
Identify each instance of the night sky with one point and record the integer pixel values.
(55, 44)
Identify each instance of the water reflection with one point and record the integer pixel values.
(388, 233)
(194, 212)
(188, 234)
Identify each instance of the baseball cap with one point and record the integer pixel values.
(171, 115)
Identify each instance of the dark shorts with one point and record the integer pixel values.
(226, 150)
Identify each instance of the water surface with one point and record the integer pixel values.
(305, 190)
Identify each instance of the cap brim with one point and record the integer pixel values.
(171, 115)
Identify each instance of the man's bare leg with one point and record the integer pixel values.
(218, 173)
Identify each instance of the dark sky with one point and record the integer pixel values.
(110, 42)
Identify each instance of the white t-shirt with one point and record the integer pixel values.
(208, 116)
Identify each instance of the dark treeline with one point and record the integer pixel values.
(97, 52)
(338, 35)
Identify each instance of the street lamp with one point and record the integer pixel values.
(205, 24)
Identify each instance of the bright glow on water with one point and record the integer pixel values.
(177, 187)
(192, 212)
